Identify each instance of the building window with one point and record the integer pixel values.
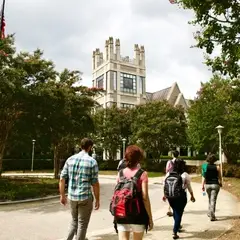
(99, 81)
(141, 84)
(128, 83)
(127, 105)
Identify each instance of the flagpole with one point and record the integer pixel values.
(3, 8)
(2, 18)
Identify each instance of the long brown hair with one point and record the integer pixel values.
(133, 155)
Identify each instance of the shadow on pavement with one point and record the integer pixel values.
(166, 228)
(109, 236)
(209, 234)
(198, 212)
(223, 218)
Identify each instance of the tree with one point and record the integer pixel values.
(40, 103)
(217, 103)
(220, 27)
(111, 125)
(18, 71)
(158, 126)
(62, 110)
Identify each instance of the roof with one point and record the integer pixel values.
(159, 95)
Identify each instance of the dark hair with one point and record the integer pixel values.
(211, 158)
(86, 143)
(179, 166)
(133, 155)
(176, 153)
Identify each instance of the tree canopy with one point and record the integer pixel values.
(111, 126)
(158, 126)
(39, 102)
(219, 23)
(217, 103)
(18, 71)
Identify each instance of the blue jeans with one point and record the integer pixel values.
(178, 205)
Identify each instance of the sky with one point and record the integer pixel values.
(69, 31)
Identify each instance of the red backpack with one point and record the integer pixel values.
(125, 202)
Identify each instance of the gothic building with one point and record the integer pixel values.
(124, 79)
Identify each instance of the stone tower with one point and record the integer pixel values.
(122, 78)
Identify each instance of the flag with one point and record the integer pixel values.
(172, 1)
(2, 22)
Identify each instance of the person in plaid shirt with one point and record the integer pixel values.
(81, 170)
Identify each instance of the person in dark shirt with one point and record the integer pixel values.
(212, 181)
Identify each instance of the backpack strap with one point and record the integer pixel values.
(121, 175)
(138, 174)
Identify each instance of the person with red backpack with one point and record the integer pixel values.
(130, 204)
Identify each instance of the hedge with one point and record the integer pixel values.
(229, 170)
(47, 164)
(25, 164)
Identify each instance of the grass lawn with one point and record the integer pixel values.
(150, 174)
(231, 185)
(12, 189)
(26, 188)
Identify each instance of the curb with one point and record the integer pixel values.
(29, 200)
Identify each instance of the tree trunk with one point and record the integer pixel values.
(3, 141)
(56, 162)
(2, 147)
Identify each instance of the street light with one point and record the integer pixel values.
(219, 129)
(94, 155)
(33, 147)
(124, 145)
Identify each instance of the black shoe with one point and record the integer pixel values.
(212, 219)
(175, 236)
(170, 214)
(180, 229)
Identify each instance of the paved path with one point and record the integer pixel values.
(49, 220)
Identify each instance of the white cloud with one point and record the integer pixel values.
(68, 32)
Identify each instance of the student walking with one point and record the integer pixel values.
(130, 203)
(81, 170)
(169, 168)
(175, 185)
(211, 182)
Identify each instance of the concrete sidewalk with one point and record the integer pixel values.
(195, 221)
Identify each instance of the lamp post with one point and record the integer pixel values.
(94, 155)
(124, 145)
(219, 129)
(33, 148)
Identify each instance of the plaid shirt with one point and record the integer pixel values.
(82, 172)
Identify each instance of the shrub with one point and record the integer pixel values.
(108, 165)
(229, 170)
(197, 157)
(25, 164)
